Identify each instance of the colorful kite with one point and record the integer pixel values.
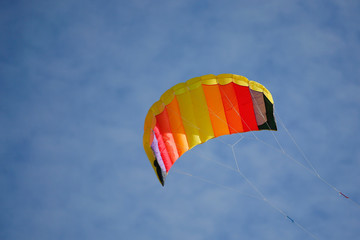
(202, 108)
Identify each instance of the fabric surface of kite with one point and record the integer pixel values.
(202, 108)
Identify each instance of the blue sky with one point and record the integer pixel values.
(78, 77)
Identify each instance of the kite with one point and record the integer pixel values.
(200, 109)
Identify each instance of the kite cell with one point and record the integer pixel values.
(202, 108)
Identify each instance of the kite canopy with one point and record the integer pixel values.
(202, 108)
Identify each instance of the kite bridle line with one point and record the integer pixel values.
(311, 169)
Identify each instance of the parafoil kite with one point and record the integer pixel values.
(202, 108)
